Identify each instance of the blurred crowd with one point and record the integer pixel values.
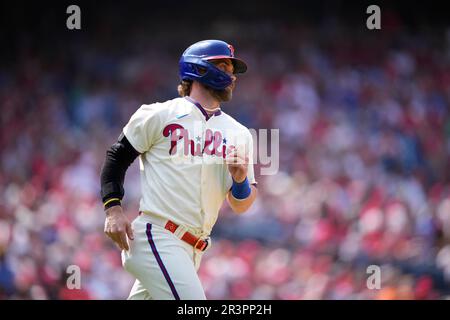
(364, 174)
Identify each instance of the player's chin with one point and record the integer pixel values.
(228, 94)
(223, 95)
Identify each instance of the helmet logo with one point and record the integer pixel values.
(231, 50)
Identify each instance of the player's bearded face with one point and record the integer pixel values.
(226, 94)
(222, 95)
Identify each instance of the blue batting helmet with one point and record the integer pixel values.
(194, 63)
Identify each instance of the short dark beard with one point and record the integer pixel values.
(223, 95)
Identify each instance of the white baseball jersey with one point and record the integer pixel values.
(184, 177)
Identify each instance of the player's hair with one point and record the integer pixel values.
(184, 88)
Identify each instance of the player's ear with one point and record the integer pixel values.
(201, 70)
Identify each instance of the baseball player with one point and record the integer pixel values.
(192, 157)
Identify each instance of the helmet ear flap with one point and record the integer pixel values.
(201, 70)
(196, 69)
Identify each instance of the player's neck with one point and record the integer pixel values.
(209, 103)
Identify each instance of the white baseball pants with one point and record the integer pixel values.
(165, 267)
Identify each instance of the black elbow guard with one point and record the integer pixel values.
(118, 158)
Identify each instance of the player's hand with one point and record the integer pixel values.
(237, 165)
(118, 227)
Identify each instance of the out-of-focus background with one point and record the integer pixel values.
(364, 119)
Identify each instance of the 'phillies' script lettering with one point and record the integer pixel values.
(214, 144)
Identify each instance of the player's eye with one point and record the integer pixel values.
(225, 67)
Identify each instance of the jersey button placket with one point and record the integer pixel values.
(202, 178)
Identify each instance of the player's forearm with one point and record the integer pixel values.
(242, 205)
(118, 158)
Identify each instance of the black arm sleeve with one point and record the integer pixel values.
(118, 158)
